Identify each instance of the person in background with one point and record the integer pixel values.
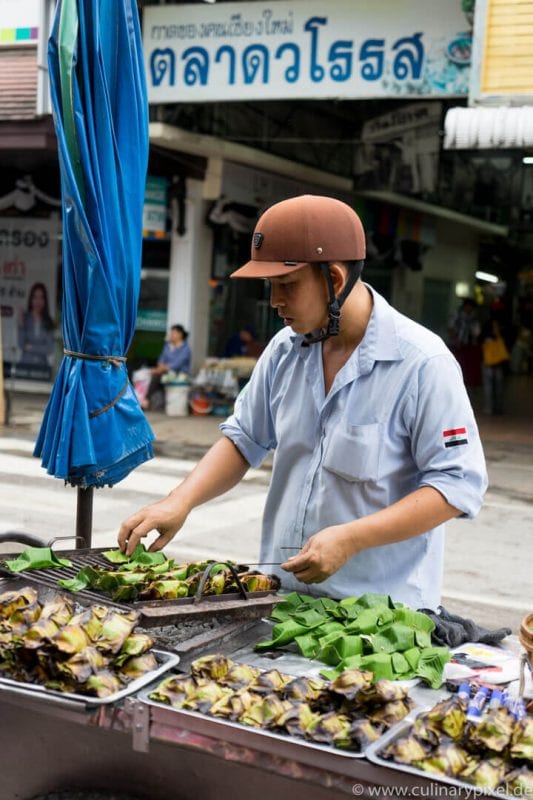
(242, 343)
(495, 359)
(176, 357)
(464, 332)
(376, 444)
(36, 329)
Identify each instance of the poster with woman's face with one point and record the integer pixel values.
(28, 283)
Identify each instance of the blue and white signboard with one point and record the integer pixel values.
(155, 207)
(306, 49)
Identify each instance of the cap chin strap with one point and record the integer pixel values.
(334, 305)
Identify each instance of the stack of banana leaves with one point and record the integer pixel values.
(349, 713)
(147, 576)
(94, 652)
(495, 752)
(368, 633)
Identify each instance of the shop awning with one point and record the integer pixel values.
(488, 128)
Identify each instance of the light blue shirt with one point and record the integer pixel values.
(391, 422)
(176, 358)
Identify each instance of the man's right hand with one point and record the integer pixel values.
(165, 517)
(220, 469)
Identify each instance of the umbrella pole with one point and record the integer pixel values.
(84, 517)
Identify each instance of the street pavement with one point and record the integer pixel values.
(487, 560)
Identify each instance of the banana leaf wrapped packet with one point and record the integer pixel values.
(319, 711)
(492, 753)
(405, 750)
(449, 759)
(486, 773)
(331, 728)
(518, 782)
(446, 717)
(522, 740)
(92, 652)
(492, 732)
(298, 720)
(369, 633)
(153, 576)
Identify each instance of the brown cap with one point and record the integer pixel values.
(303, 230)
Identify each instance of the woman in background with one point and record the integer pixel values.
(176, 357)
(495, 359)
(36, 329)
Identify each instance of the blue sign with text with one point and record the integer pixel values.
(283, 49)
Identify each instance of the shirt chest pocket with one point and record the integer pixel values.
(353, 452)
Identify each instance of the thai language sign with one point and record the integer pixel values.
(400, 150)
(299, 49)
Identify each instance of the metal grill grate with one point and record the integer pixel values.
(152, 612)
(50, 576)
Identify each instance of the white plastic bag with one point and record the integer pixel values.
(141, 381)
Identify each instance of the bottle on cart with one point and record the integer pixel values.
(477, 704)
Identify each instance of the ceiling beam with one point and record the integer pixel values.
(436, 211)
(198, 144)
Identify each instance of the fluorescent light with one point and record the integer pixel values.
(462, 289)
(487, 276)
(527, 160)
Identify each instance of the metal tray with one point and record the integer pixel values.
(234, 731)
(166, 661)
(402, 729)
(241, 648)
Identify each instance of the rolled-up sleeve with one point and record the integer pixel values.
(251, 427)
(445, 439)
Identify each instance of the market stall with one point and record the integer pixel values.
(217, 384)
(133, 741)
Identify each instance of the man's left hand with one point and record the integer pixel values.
(322, 555)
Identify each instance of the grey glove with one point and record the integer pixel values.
(452, 630)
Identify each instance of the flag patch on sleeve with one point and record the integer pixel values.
(454, 437)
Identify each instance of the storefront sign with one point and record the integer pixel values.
(155, 207)
(400, 150)
(28, 276)
(300, 49)
(19, 21)
(149, 319)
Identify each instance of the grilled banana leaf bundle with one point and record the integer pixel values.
(95, 651)
(349, 712)
(370, 632)
(153, 576)
(495, 752)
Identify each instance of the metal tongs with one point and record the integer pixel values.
(273, 563)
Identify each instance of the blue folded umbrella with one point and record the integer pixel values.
(94, 432)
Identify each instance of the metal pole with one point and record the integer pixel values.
(84, 517)
(46, 16)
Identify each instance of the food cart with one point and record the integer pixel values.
(134, 746)
(138, 749)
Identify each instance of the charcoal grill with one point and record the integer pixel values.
(244, 605)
